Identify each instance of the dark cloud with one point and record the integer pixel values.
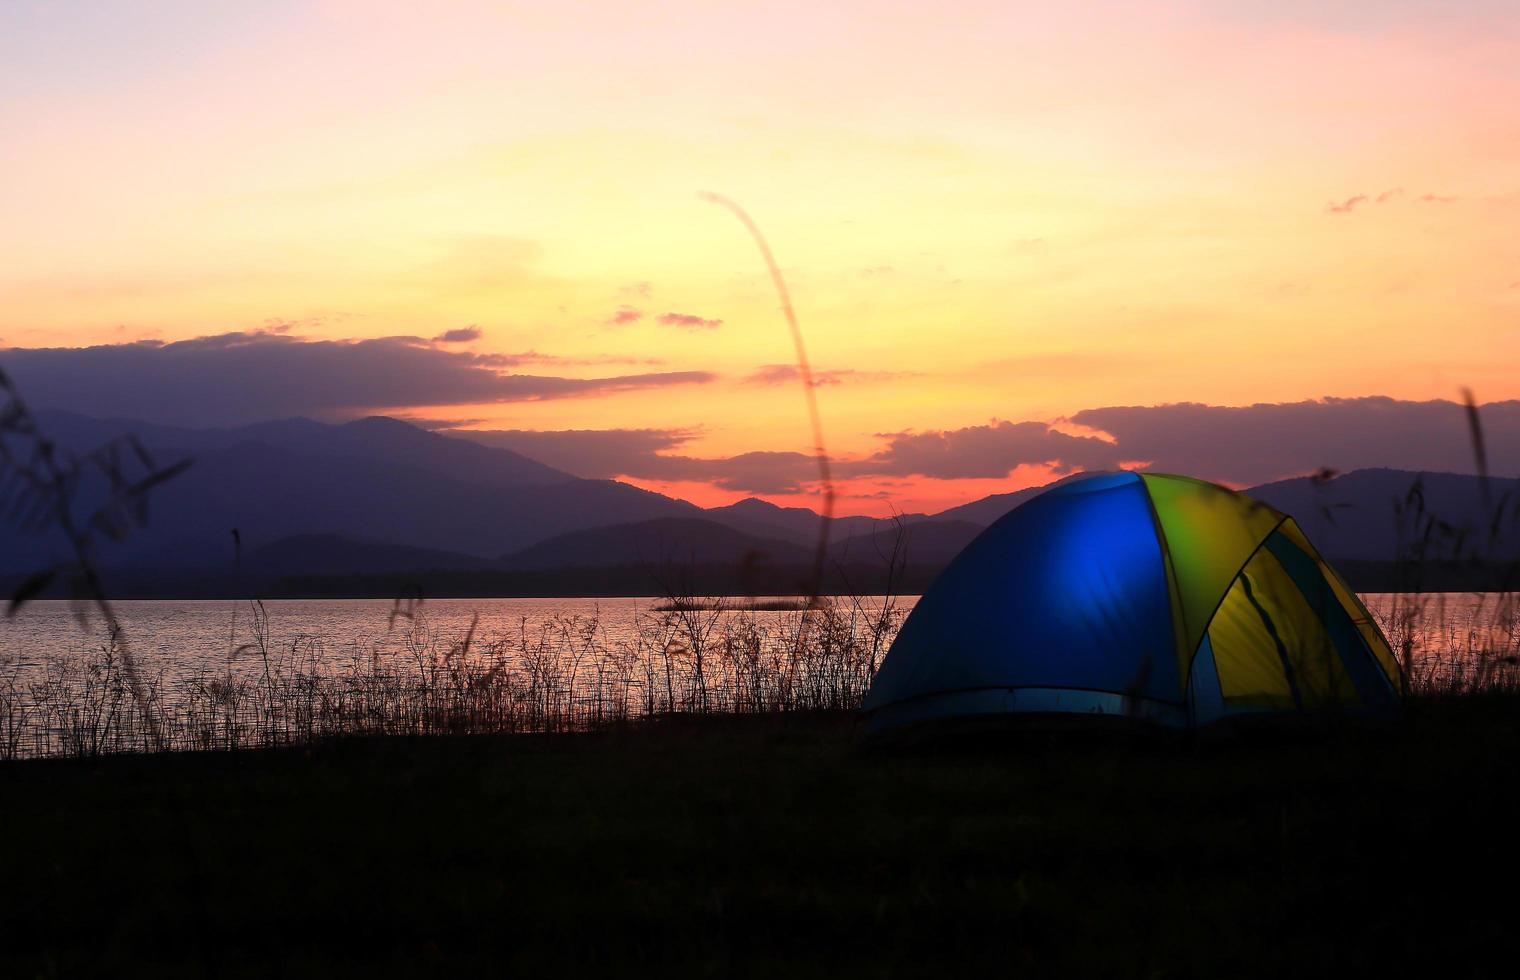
(436, 425)
(689, 321)
(758, 472)
(1242, 446)
(1257, 443)
(644, 454)
(462, 335)
(248, 376)
(1238, 445)
(1438, 198)
(625, 315)
(985, 452)
(1388, 195)
(590, 453)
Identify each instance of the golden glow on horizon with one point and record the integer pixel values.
(1015, 212)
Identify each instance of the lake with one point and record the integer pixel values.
(184, 638)
(225, 674)
(181, 639)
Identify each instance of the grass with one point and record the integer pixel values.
(571, 674)
(563, 674)
(776, 845)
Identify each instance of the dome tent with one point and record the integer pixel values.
(1149, 596)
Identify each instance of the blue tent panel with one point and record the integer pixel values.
(1066, 592)
(1203, 684)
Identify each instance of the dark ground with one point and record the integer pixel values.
(777, 849)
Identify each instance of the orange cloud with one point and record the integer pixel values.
(689, 321)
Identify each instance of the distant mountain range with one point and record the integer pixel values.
(1377, 514)
(364, 505)
(375, 479)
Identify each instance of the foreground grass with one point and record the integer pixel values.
(776, 847)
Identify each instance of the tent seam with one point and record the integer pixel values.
(1209, 623)
(1327, 570)
(1173, 593)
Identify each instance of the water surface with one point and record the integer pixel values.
(176, 639)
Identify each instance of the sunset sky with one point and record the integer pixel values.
(1008, 213)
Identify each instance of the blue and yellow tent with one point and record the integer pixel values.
(1149, 596)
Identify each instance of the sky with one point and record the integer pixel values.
(1021, 238)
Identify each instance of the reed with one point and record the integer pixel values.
(566, 674)
(578, 674)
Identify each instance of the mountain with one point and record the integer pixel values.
(986, 510)
(676, 541)
(381, 496)
(798, 525)
(1375, 514)
(373, 438)
(271, 493)
(925, 542)
(330, 554)
(663, 542)
(375, 479)
(679, 556)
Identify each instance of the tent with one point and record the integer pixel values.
(1147, 596)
